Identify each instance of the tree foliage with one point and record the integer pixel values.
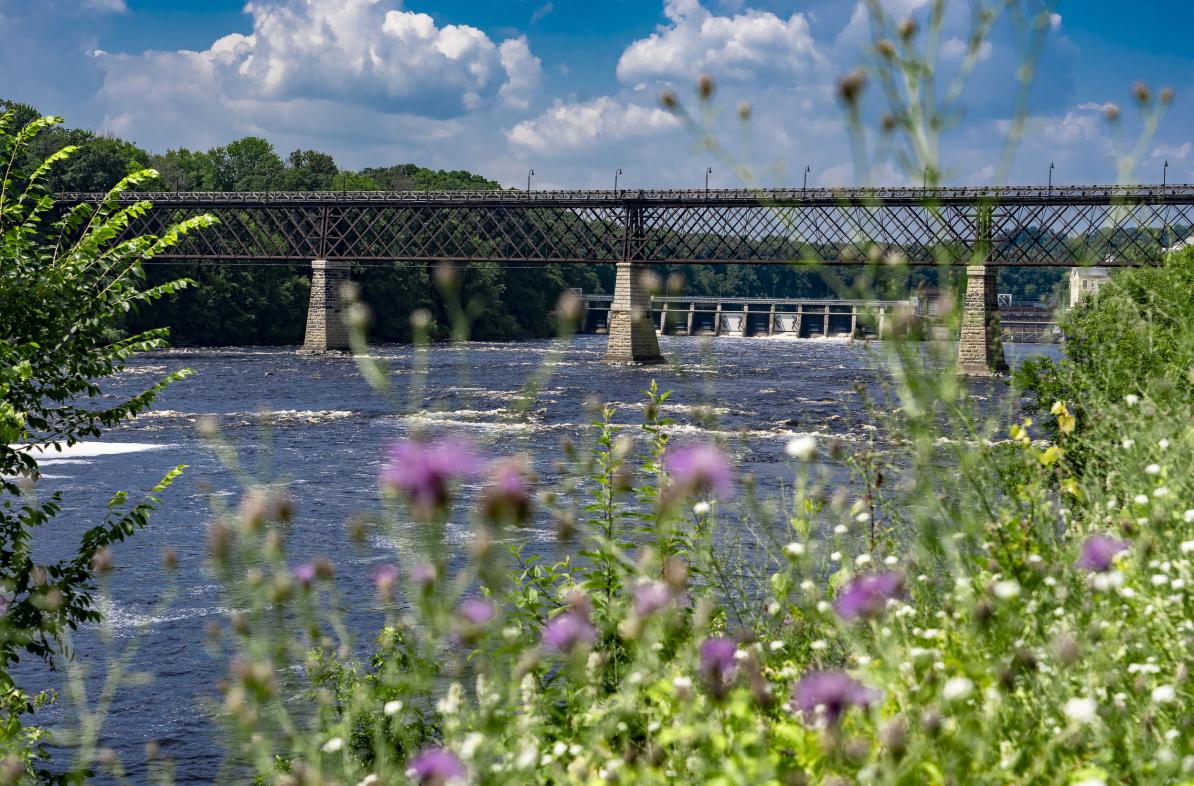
(67, 278)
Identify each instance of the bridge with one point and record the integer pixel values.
(979, 228)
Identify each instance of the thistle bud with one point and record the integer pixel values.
(906, 28)
(850, 86)
(1141, 93)
(1166, 96)
(668, 99)
(705, 87)
(744, 111)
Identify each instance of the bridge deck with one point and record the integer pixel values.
(1025, 226)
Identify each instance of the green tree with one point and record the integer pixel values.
(249, 164)
(64, 283)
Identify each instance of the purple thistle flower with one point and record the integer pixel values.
(867, 596)
(508, 497)
(476, 611)
(384, 576)
(564, 632)
(701, 468)
(305, 573)
(436, 766)
(424, 574)
(719, 664)
(425, 471)
(650, 597)
(831, 693)
(1098, 553)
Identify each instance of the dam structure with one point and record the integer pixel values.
(759, 316)
(976, 229)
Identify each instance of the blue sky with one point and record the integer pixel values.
(571, 87)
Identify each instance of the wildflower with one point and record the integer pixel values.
(1127, 443)
(436, 767)
(1081, 711)
(424, 574)
(1164, 694)
(566, 631)
(702, 508)
(1163, 444)
(1160, 491)
(304, 573)
(831, 693)
(794, 549)
(1131, 399)
(333, 745)
(867, 595)
(701, 468)
(957, 688)
(392, 707)
(718, 664)
(1188, 516)
(508, 497)
(476, 611)
(1006, 590)
(1098, 553)
(424, 471)
(384, 577)
(802, 448)
(650, 597)
(1153, 469)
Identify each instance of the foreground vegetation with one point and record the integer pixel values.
(991, 598)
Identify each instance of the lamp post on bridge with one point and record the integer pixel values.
(807, 168)
(1165, 173)
(616, 179)
(530, 173)
(708, 171)
(1050, 175)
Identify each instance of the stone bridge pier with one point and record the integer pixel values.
(980, 349)
(632, 336)
(326, 329)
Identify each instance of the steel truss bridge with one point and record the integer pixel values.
(1029, 226)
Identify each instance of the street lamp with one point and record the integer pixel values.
(708, 171)
(1050, 175)
(1165, 173)
(529, 174)
(616, 179)
(807, 168)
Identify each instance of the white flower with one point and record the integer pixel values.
(1006, 590)
(890, 560)
(1082, 711)
(835, 556)
(470, 746)
(863, 517)
(794, 549)
(1131, 399)
(1164, 694)
(1127, 443)
(803, 448)
(1188, 516)
(701, 508)
(392, 707)
(1187, 546)
(1163, 444)
(840, 529)
(862, 559)
(333, 745)
(819, 645)
(1141, 499)
(1160, 491)
(682, 684)
(1153, 469)
(776, 646)
(369, 780)
(957, 688)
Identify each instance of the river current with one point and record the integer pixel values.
(328, 436)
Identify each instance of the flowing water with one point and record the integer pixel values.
(328, 436)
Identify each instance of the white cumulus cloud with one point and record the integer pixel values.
(751, 45)
(567, 127)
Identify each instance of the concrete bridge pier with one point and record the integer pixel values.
(980, 349)
(632, 336)
(326, 330)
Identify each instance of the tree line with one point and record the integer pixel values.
(267, 304)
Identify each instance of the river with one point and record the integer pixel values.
(328, 436)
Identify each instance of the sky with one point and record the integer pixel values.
(571, 88)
